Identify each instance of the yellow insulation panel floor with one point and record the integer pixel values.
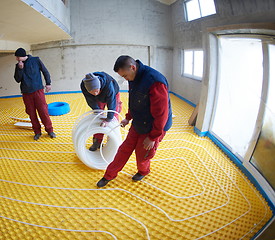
(193, 191)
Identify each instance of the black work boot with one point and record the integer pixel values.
(137, 177)
(102, 182)
(96, 145)
(37, 136)
(52, 135)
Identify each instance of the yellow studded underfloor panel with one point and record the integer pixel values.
(193, 191)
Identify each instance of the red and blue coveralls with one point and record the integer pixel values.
(150, 110)
(33, 92)
(109, 96)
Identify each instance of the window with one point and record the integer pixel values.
(240, 109)
(263, 155)
(199, 8)
(192, 63)
(239, 88)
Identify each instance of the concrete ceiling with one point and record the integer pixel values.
(167, 2)
(21, 24)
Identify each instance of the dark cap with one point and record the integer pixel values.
(20, 52)
(91, 82)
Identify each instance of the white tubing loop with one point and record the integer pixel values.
(86, 126)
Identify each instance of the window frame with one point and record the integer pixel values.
(192, 76)
(212, 87)
(199, 5)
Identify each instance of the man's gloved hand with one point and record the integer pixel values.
(124, 122)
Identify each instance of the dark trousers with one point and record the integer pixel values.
(36, 102)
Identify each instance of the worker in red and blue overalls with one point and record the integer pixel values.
(101, 90)
(28, 74)
(151, 115)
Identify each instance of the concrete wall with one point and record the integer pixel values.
(68, 65)
(140, 22)
(8, 86)
(189, 35)
(101, 31)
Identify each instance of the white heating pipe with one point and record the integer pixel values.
(85, 127)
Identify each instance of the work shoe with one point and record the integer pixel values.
(137, 177)
(102, 182)
(37, 136)
(95, 146)
(52, 135)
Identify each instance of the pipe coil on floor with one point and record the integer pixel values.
(58, 108)
(85, 127)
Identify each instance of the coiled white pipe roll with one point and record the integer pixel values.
(85, 127)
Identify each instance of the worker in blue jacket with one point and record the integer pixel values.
(28, 74)
(151, 114)
(101, 90)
